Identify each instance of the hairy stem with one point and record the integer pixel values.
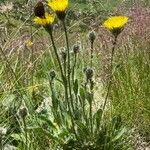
(69, 69)
(111, 73)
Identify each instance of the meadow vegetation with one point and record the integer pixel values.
(75, 76)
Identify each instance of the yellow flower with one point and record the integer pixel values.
(116, 23)
(59, 6)
(29, 43)
(45, 21)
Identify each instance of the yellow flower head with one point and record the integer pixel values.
(29, 43)
(45, 21)
(59, 6)
(116, 23)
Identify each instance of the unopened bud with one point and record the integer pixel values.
(92, 36)
(23, 112)
(52, 74)
(89, 73)
(63, 53)
(76, 48)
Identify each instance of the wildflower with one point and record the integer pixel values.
(60, 7)
(28, 43)
(115, 24)
(43, 18)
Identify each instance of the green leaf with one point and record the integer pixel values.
(83, 131)
(54, 101)
(18, 137)
(89, 97)
(82, 93)
(119, 134)
(49, 122)
(117, 122)
(98, 117)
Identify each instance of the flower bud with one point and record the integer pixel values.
(76, 48)
(52, 74)
(63, 53)
(89, 73)
(23, 112)
(92, 36)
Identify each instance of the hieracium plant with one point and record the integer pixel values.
(72, 122)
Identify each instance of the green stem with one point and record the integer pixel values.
(57, 56)
(65, 73)
(31, 38)
(91, 103)
(111, 73)
(1, 143)
(61, 70)
(91, 118)
(73, 79)
(55, 102)
(26, 134)
(91, 54)
(64, 81)
(73, 69)
(69, 70)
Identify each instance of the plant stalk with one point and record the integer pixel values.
(64, 81)
(91, 55)
(26, 134)
(68, 67)
(111, 73)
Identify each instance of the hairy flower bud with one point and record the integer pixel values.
(92, 36)
(23, 112)
(76, 48)
(52, 74)
(63, 53)
(89, 73)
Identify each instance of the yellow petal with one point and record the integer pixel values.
(58, 5)
(48, 20)
(116, 22)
